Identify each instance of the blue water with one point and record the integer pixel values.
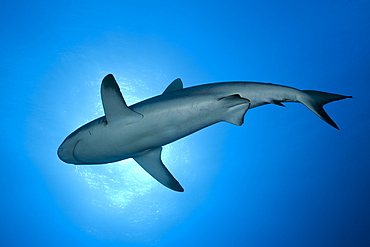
(284, 178)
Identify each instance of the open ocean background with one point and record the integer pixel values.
(285, 178)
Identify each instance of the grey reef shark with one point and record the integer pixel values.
(139, 131)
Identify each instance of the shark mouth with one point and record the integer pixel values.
(74, 155)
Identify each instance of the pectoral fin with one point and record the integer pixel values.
(150, 161)
(115, 107)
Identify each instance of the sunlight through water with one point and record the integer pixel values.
(123, 190)
(113, 185)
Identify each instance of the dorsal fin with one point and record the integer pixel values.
(174, 86)
(113, 103)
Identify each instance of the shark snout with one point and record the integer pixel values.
(65, 155)
(65, 151)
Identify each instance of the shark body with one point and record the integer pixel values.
(139, 131)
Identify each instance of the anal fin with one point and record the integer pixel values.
(236, 107)
(150, 160)
(276, 102)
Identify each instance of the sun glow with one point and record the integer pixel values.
(116, 185)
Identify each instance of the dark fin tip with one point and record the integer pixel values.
(275, 102)
(109, 82)
(332, 123)
(108, 76)
(180, 189)
(177, 187)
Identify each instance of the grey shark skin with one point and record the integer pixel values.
(139, 131)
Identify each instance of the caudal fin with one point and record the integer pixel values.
(315, 100)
